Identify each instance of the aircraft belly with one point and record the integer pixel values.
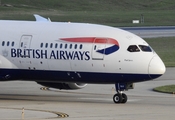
(69, 76)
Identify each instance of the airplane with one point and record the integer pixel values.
(65, 55)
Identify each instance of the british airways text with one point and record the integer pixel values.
(53, 54)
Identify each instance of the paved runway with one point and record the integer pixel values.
(152, 32)
(92, 103)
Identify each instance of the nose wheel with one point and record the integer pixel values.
(120, 98)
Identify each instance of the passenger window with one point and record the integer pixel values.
(13, 44)
(133, 48)
(81, 46)
(70, 46)
(51, 45)
(56, 45)
(65, 46)
(145, 48)
(21, 44)
(8, 43)
(41, 45)
(61, 45)
(3, 43)
(95, 47)
(75, 46)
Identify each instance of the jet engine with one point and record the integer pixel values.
(65, 86)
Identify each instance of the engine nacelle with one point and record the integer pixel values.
(66, 86)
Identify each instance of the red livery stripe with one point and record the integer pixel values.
(92, 40)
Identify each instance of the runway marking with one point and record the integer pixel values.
(59, 114)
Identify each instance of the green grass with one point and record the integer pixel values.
(95, 5)
(108, 12)
(166, 89)
(165, 48)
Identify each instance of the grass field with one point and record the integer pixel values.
(165, 48)
(108, 12)
(166, 89)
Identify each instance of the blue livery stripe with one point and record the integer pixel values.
(69, 76)
(109, 50)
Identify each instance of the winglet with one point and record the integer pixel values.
(41, 19)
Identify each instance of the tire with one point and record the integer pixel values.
(117, 98)
(124, 98)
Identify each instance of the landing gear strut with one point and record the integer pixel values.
(120, 97)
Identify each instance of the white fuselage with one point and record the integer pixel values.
(74, 52)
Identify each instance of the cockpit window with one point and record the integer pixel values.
(145, 48)
(133, 48)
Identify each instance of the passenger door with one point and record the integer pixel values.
(98, 44)
(23, 45)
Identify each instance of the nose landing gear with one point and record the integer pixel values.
(120, 97)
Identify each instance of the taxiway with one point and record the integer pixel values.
(152, 32)
(92, 102)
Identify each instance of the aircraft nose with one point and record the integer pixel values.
(156, 67)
